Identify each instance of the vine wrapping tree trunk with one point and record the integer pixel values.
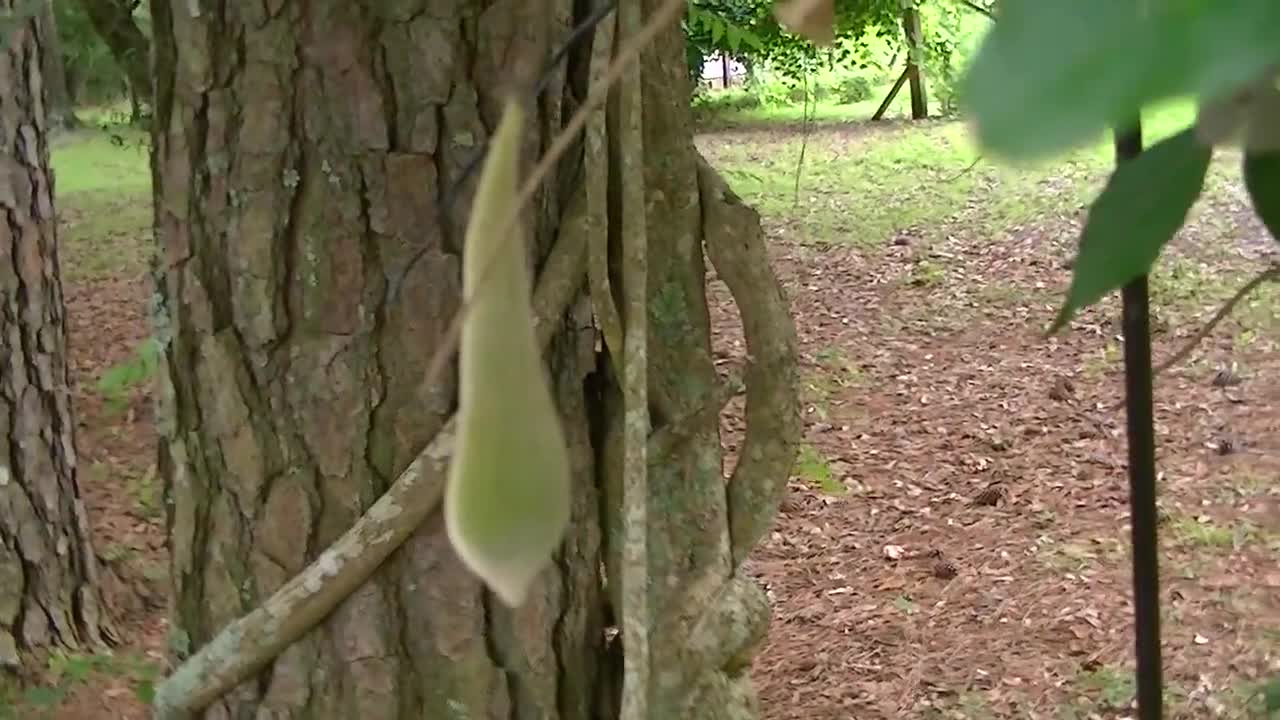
(309, 272)
(48, 575)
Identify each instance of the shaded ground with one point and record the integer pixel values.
(954, 543)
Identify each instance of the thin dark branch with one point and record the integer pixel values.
(1143, 515)
(965, 171)
(978, 8)
(804, 140)
(1270, 274)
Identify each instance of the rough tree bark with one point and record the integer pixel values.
(48, 595)
(309, 271)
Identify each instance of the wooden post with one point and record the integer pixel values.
(915, 46)
(892, 94)
(724, 71)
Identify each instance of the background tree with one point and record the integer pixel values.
(60, 105)
(115, 22)
(310, 269)
(48, 574)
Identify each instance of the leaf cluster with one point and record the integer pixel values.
(748, 29)
(1054, 74)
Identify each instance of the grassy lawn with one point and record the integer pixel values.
(862, 183)
(103, 199)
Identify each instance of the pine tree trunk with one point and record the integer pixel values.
(310, 269)
(48, 596)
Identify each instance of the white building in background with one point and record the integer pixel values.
(719, 71)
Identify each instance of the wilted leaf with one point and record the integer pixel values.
(814, 20)
(1143, 205)
(507, 499)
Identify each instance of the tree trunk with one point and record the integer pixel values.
(915, 52)
(48, 595)
(113, 21)
(62, 115)
(309, 272)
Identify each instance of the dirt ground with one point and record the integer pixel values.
(954, 542)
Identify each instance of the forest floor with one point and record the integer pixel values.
(954, 541)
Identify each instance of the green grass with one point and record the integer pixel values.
(91, 160)
(863, 183)
(1207, 535)
(814, 469)
(103, 200)
(820, 113)
(66, 671)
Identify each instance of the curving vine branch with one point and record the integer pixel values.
(735, 244)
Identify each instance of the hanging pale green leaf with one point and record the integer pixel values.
(1052, 74)
(1262, 178)
(1143, 205)
(507, 499)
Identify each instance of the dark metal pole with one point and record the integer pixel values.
(1142, 470)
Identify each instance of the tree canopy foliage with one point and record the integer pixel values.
(1053, 75)
(748, 29)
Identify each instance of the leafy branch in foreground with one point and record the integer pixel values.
(1143, 205)
(1053, 74)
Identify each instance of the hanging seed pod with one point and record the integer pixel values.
(507, 500)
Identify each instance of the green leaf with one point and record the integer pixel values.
(1271, 696)
(734, 37)
(1053, 74)
(1262, 178)
(507, 498)
(717, 32)
(1143, 205)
